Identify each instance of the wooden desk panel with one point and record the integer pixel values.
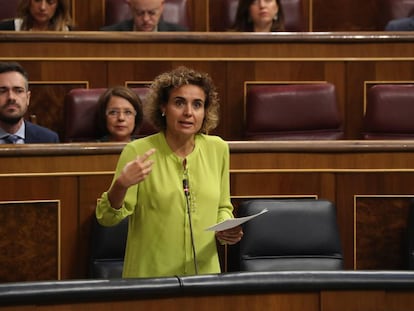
(357, 176)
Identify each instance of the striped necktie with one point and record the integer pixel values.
(11, 139)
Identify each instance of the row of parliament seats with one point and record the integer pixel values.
(178, 11)
(294, 234)
(223, 12)
(310, 112)
(276, 112)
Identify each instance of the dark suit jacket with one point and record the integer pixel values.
(128, 25)
(401, 24)
(36, 134)
(7, 24)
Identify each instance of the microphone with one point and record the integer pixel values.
(186, 189)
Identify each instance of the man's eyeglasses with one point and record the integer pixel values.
(114, 113)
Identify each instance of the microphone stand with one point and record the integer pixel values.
(187, 198)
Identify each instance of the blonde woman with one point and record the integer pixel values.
(40, 15)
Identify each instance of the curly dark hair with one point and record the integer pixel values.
(162, 86)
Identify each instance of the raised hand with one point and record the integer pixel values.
(136, 170)
(133, 173)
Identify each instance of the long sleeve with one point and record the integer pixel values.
(159, 231)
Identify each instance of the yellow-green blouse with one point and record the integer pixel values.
(159, 240)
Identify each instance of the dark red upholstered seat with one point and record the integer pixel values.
(8, 9)
(223, 13)
(389, 112)
(292, 112)
(175, 11)
(81, 115)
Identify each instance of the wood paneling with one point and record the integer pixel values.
(324, 300)
(29, 240)
(338, 171)
(356, 301)
(59, 188)
(348, 61)
(370, 183)
(346, 15)
(380, 232)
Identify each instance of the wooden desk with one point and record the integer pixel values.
(369, 181)
(288, 290)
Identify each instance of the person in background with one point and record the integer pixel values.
(401, 24)
(259, 16)
(120, 114)
(14, 101)
(146, 16)
(174, 184)
(38, 15)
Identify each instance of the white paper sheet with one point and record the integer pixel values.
(231, 223)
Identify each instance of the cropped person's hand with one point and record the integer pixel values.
(230, 236)
(136, 170)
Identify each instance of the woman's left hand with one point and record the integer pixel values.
(230, 236)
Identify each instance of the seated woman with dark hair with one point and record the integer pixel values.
(120, 114)
(37, 15)
(259, 16)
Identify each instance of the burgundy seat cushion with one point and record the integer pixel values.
(81, 115)
(297, 111)
(389, 112)
(8, 9)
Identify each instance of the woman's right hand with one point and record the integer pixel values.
(136, 170)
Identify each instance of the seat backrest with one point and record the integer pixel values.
(8, 9)
(395, 9)
(175, 11)
(292, 112)
(389, 112)
(106, 259)
(81, 115)
(294, 16)
(295, 234)
(224, 14)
